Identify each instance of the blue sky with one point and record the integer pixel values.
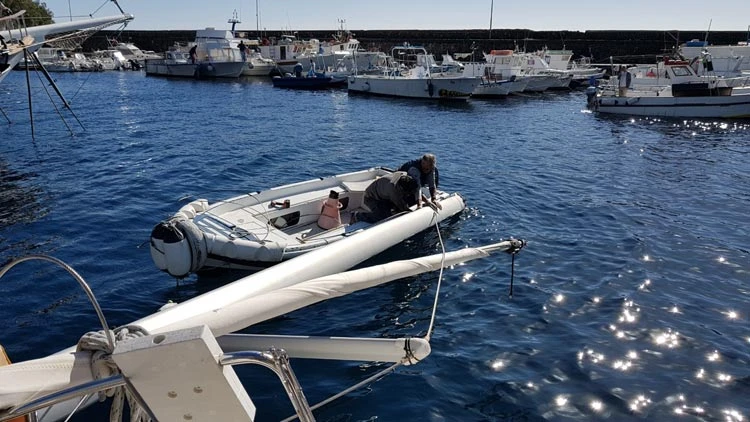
(539, 15)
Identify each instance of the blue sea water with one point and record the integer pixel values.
(630, 302)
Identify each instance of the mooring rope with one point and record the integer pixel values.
(408, 353)
(102, 366)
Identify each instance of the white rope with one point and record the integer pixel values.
(102, 366)
(439, 283)
(408, 357)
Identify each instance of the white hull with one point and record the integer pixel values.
(258, 230)
(727, 107)
(499, 88)
(687, 95)
(541, 83)
(189, 70)
(13, 60)
(263, 69)
(436, 88)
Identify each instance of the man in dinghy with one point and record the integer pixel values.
(388, 195)
(424, 171)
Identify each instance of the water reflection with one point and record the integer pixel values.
(22, 200)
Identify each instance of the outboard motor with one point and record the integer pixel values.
(298, 70)
(591, 97)
(178, 247)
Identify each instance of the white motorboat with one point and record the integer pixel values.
(257, 65)
(111, 59)
(727, 60)
(216, 57)
(17, 37)
(412, 73)
(413, 85)
(58, 60)
(132, 53)
(260, 229)
(491, 88)
(686, 95)
(539, 77)
(581, 71)
(177, 364)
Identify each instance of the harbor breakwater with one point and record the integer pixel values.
(601, 46)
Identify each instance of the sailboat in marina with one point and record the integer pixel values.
(19, 40)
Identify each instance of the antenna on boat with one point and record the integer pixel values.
(234, 21)
(257, 17)
(492, 8)
(705, 39)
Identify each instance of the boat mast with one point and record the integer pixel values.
(257, 18)
(492, 8)
(705, 39)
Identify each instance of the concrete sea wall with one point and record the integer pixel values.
(621, 46)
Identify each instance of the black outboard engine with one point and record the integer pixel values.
(591, 97)
(298, 70)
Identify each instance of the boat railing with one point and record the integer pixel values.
(13, 28)
(277, 360)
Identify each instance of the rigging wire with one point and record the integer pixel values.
(57, 109)
(409, 357)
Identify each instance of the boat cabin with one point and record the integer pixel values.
(687, 83)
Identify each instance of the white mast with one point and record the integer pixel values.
(492, 8)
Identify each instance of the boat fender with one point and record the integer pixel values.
(366, 86)
(330, 216)
(194, 208)
(430, 88)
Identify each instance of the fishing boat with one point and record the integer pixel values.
(413, 73)
(215, 57)
(260, 229)
(177, 364)
(19, 40)
(685, 94)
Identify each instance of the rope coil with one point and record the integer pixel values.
(102, 366)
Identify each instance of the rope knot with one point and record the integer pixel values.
(103, 366)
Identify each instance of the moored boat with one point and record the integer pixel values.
(215, 57)
(412, 73)
(261, 229)
(686, 94)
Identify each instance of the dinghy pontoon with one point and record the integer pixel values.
(260, 229)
